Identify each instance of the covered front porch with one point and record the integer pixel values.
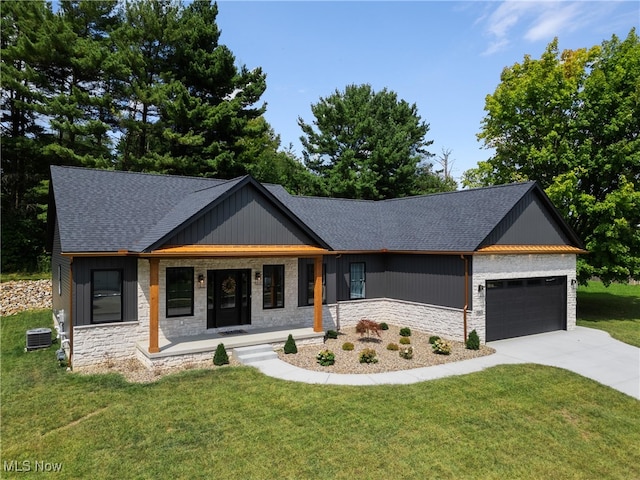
(202, 347)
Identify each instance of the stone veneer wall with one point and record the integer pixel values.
(498, 267)
(444, 321)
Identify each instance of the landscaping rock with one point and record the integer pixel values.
(18, 296)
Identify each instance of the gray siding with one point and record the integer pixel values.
(432, 279)
(244, 218)
(528, 223)
(61, 278)
(82, 267)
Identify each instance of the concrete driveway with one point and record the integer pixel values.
(586, 351)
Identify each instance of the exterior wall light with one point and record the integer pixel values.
(258, 277)
(480, 288)
(201, 281)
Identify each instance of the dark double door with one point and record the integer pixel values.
(228, 298)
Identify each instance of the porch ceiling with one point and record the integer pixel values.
(238, 251)
(528, 249)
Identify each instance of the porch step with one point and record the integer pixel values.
(255, 353)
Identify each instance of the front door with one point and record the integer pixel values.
(228, 298)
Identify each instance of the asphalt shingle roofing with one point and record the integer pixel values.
(108, 211)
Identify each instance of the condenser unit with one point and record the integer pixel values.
(38, 338)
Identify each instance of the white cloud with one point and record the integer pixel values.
(536, 21)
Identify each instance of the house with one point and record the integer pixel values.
(163, 268)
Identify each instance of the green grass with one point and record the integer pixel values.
(13, 277)
(512, 421)
(614, 309)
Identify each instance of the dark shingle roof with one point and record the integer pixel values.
(102, 211)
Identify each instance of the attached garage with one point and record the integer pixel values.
(525, 306)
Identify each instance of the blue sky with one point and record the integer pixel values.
(443, 56)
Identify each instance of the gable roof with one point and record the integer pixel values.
(111, 211)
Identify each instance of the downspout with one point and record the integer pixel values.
(70, 316)
(466, 294)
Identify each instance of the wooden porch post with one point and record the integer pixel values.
(317, 294)
(154, 298)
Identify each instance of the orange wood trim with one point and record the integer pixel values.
(529, 249)
(154, 299)
(317, 294)
(237, 251)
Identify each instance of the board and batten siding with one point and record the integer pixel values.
(528, 223)
(246, 217)
(82, 267)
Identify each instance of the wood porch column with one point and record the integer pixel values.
(154, 299)
(317, 294)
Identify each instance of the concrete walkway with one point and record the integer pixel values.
(589, 352)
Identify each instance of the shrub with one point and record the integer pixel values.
(326, 358)
(347, 346)
(220, 357)
(405, 340)
(367, 327)
(368, 355)
(332, 334)
(290, 345)
(406, 353)
(393, 347)
(473, 341)
(433, 338)
(405, 332)
(441, 347)
(384, 326)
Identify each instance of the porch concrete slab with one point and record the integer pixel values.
(585, 351)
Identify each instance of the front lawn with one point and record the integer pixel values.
(513, 421)
(614, 309)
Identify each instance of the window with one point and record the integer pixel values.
(59, 279)
(273, 286)
(179, 291)
(311, 280)
(106, 296)
(357, 280)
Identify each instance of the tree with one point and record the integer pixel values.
(571, 121)
(365, 144)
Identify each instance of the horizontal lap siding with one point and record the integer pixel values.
(245, 218)
(82, 267)
(61, 293)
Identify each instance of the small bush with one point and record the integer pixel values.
(368, 355)
(326, 358)
(442, 347)
(405, 332)
(332, 334)
(367, 327)
(433, 338)
(406, 353)
(290, 345)
(405, 340)
(220, 357)
(393, 347)
(347, 346)
(384, 326)
(473, 341)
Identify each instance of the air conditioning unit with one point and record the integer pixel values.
(38, 338)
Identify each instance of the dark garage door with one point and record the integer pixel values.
(525, 306)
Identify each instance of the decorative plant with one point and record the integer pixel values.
(367, 327)
(405, 340)
(473, 341)
(368, 355)
(290, 345)
(347, 346)
(383, 326)
(441, 347)
(433, 338)
(332, 334)
(220, 357)
(393, 347)
(326, 358)
(405, 332)
(407, 353)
